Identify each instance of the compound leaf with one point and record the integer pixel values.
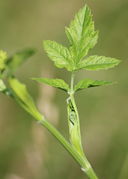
(57, 83)
(81, 34)
(98, 63)
(59, 54)
(88, 83)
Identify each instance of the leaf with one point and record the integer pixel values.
(88, 83)
(59, 54)
(98, 63)
(23, 97)
(3, 57)
(57, 83)
(20, 57)
(81, 34)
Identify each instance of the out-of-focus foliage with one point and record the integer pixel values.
(18, 58)
(3, 57)
(26, 150)
(2, 86)
(22, 96)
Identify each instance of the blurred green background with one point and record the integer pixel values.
(28, 151)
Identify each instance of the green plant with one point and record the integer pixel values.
(82, 37)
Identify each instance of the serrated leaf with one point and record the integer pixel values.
(18, 58)
(98, 63)
(88, 83)
(81, 34)
(59, 54)
(57, 83)
(23, 97)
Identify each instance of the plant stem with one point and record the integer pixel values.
(82, 161)
(72, 82)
